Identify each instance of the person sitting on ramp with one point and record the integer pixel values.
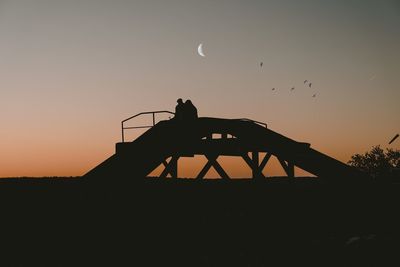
(190, 111)
(179, 110)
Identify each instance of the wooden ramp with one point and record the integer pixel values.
(169, 140)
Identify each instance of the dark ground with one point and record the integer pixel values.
(74, 222)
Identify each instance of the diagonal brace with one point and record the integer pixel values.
(170, 168)
(212, 162)
(288, 167)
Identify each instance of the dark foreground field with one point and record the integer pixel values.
(74, 222)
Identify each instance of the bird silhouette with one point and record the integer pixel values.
(309, 85)
(314, 95)
(261, 64)
(394, 138)
(305, 81)
(273, 89)
(291, 89)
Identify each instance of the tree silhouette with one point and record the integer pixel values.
(377, 162)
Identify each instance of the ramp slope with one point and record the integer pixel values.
(167, 138)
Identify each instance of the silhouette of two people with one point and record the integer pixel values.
(185, 111)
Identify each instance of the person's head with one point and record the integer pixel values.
(180, 101)
(188, 101)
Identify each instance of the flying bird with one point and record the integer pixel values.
(261, 64)
(305, 81)
(291, 89)
(394, 138)
(309, 85)
(273, 89)
(314, 95)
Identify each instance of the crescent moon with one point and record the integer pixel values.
(200, 50)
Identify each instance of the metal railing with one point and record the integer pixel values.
(123, 128)
(257, 122)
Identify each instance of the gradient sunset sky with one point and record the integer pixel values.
(70, 71)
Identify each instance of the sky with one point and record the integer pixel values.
(70, 71)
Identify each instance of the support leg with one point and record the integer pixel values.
(212, 162)
(255, 168)
(288, 167)
(171, 168)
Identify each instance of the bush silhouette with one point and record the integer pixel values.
(378, 163)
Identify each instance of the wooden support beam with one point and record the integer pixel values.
(265, 160)
(174, 167)
(171, 168)
(291, 169)
(247, 159)
(284, 165)
(204, 171)
(288, 167)
(219, 168)
(255, 168)
(212, 162)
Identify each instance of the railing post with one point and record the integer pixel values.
(122, 131)
(141, 113)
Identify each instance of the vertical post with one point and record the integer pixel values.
(255, 158)
(291, 169)
(288, 167)
(122, 131)
(154, 119)
(174, 167)
(171, 168)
